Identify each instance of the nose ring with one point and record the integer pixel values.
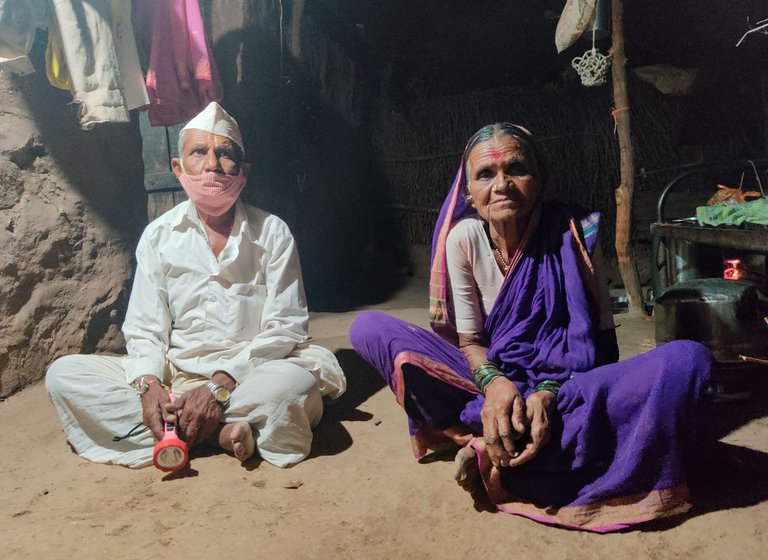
(495, 188)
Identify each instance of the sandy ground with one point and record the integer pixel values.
(359, 495)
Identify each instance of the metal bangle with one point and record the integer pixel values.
(484, 369)
(548, 385)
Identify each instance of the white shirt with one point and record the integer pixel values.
(475, 277)
(205, 315)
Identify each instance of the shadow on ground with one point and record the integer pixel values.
(720, 419)
(726, 476)
(730, 477)
(331, 437)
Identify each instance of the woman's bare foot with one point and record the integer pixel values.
(237, 438)
(460, 435)
(467, 473)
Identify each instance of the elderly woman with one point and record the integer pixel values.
(526, 357)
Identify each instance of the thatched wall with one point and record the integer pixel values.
(419, 149)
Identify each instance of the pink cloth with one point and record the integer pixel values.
(182, 77)
(213, 193)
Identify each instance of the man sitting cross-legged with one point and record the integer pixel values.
(217, 315)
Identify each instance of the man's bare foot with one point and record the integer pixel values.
(467, 473)
(237, 438)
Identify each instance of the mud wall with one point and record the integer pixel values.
(72, 205)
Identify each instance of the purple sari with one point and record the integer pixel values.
(618, 448)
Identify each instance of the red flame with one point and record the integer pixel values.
(732, 269)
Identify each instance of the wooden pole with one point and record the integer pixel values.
(296, 14)
(625, 191)
(765, 110)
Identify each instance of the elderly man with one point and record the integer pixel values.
(217, 316)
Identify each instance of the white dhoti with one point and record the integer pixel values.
(281, 400)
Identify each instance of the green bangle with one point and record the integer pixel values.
(487, 379)
(485, 366)
(482, 371)
(548, 385)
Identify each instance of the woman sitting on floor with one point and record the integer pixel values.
(527, 357)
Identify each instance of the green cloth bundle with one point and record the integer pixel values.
(723, 214)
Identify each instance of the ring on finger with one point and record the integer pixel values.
(490, 441)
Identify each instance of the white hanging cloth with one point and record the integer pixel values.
(101, 56)
(577, 17)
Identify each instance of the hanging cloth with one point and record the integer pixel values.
(576, 18)
(100, 54)
(182, 77)
(55, 65)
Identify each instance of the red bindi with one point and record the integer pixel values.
(496, 155)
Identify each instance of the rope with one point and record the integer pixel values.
(757, 176)
(615, 114)
(137, 429)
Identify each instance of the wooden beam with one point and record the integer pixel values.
(625, 191)
(296, 14)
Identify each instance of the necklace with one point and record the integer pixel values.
(504, 263)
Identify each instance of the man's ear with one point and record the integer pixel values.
(176, 166)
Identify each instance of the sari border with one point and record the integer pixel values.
(604, 516)
(438, 308)
(586, 268)
(432, 368)
(533, 223)
(426, 437)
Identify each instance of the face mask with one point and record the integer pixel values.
(213, 193)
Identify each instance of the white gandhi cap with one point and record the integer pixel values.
(216, 120)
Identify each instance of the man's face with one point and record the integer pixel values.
(207, 152)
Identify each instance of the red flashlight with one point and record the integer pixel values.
(170, 453)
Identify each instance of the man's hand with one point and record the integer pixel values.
(198, 414)
(540, 407)
(504, 420)
(153, 402)
(224, 379)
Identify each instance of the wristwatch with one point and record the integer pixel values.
(141, 384)
(219, 392)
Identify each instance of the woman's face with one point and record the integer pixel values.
(499, 164)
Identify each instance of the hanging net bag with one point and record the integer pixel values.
(592, 66)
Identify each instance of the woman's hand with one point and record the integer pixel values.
(540, 408)
(504, 420)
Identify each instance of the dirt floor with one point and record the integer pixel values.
(360, 495)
